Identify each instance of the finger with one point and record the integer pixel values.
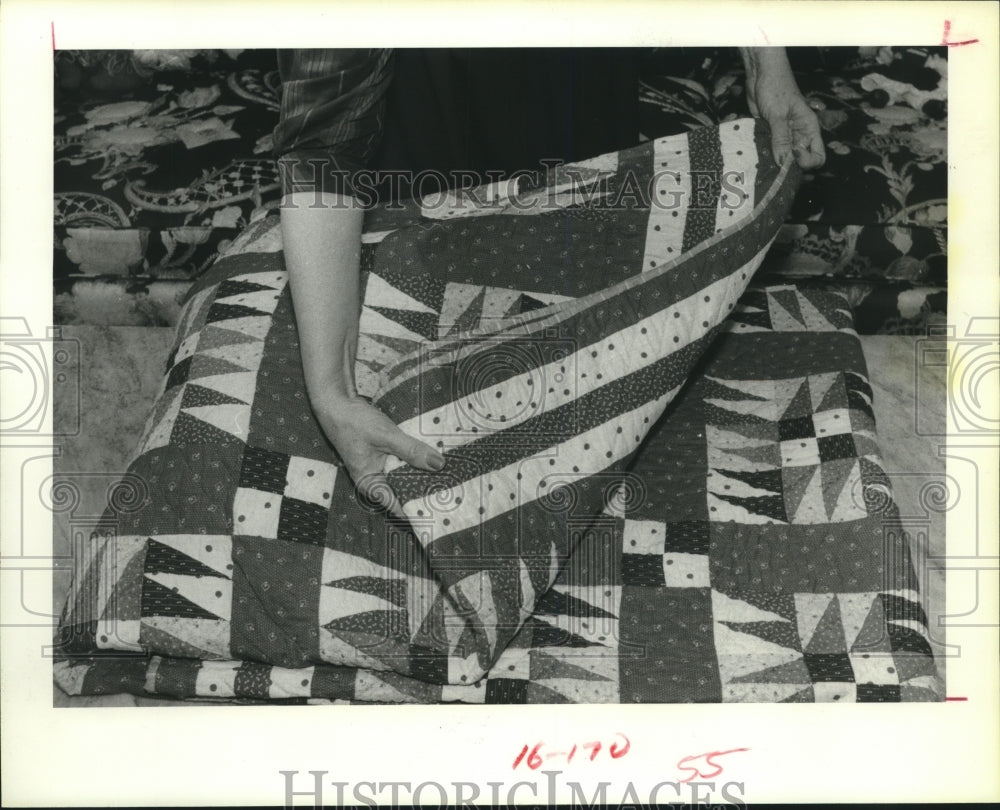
(413, 451)
(808, 141)
(810, 155)
(818, 151)
(781, 140)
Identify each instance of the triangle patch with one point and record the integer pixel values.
(239, 386)
(375, 323)
(809, 609)
(232, 286)
(225, 312)
(828, 392)
(160, 600)
(781, 633)
(556, 602)
(212, 594)
(212, 551)
(792, 672)
(788, 302)
(164, 559)
(196, 396)
(233, 419)
(801, 404)
(247, 355)
(205, 366)
(214, 337)
(796, 482)
(420, 323)
(164, 633)
(828, 634)
(380, 293)
(188, 430)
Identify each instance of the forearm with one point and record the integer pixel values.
(322, 247)
(765, 61)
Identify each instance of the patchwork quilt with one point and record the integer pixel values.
(662, 484)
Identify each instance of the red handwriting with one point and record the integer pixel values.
(947, 31)
(704, 761)
(535, 756)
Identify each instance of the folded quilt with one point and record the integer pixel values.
(537, 346)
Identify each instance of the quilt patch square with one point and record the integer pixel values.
(687, 537)
(834, 447)
(264, 470)
(800, 452)
(829, 667)
(302, 522)
(639, 570)
(311, 481)
(832, 422)
(800, 427)
(644, 536)
(685, 570)
(256, 512)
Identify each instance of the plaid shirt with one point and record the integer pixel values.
(332, 112)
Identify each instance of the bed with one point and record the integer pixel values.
(663, 482)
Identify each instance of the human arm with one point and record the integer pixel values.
(322, 254)
(330, 121)
(773, 95)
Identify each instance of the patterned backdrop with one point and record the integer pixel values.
(162, 158)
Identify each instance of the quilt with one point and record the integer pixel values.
(635, 507)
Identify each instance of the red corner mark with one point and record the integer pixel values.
(52, 26)
(947, 31)
(956, 698)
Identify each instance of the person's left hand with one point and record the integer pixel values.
(795, 130)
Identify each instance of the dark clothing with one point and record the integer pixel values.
(441, 111)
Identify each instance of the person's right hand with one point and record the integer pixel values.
(364, 437)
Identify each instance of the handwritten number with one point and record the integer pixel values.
(618, 753)
(519, 757)
(535, 761)
(708, 759)
(533, 758)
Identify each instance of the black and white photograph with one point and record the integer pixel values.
(471, 377)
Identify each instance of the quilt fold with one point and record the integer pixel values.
(538, 341)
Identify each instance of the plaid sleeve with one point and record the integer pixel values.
(332, 106)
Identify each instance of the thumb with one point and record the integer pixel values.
(413, 451)
(781, 139)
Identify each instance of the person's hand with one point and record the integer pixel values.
(363, 437)
(774, 96)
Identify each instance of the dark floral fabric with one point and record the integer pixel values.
(159, 164)
(163, 157)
